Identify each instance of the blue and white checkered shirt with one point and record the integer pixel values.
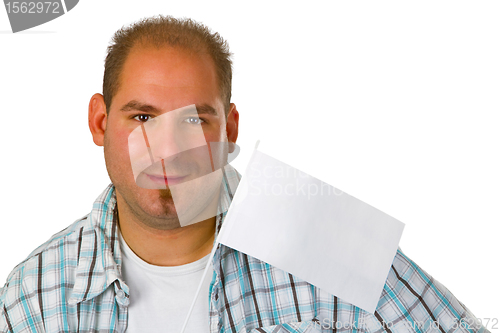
(73, 283)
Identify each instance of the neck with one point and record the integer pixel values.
(173, 247)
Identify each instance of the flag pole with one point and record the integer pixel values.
(216, 244)
(200, 285)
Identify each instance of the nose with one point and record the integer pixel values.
(169, 136)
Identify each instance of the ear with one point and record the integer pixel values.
(232, 125)
(97, 118)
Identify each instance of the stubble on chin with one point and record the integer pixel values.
(157, 211)
(168, 218)
(165, 194)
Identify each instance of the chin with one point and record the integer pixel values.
(160, 215)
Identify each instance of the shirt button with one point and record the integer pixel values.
(121, 294)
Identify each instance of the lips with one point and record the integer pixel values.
(169, 180)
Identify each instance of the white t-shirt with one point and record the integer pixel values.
(160, 297)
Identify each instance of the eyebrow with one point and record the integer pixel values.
(135, 105)
(138, 106)
(206, 109)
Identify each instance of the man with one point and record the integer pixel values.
(135, 261)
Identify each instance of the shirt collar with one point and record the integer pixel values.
(230, 184)
(99, 257)
(231, 179)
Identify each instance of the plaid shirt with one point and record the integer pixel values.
(73, 283)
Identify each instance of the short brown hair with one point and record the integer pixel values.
(161, 31)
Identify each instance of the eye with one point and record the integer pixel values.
(194, 120)
(143, 118)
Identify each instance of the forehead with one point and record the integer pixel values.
(168, 77)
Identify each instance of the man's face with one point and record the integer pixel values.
(154, 82)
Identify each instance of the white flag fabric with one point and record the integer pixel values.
(312, 230)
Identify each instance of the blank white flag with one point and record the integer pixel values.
(312, 230)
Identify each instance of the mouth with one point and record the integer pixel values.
(166, 181)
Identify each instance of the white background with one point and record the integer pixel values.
(395, 103)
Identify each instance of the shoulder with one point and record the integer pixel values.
(412, 298)
(49, 267)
